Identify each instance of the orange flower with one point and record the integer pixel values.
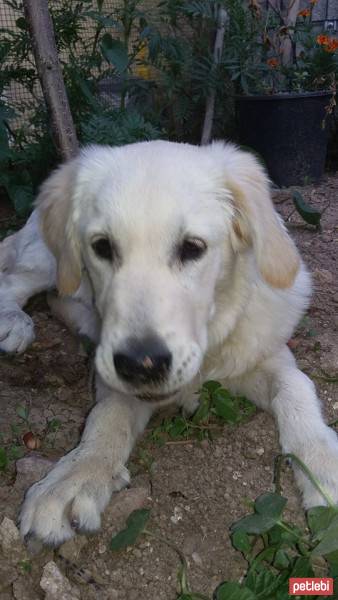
(313, 2)
(332, 46)
(272, 62)
(329, 44)
(322, 40)
(304, 13)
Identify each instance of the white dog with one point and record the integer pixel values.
(172, 259)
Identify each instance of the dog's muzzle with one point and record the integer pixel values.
(143, 362)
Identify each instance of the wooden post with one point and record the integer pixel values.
(46, 57)
(210, 104)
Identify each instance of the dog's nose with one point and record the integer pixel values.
(143, 361)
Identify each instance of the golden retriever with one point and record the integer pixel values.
(173, 260)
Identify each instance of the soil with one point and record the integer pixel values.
(195, 489)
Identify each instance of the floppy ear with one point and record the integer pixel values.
(55, 204)
(256, 223)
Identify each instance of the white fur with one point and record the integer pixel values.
(226, 316)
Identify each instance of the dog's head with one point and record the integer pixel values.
(159, 229)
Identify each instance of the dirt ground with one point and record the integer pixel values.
(195, 489)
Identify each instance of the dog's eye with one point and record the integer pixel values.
(192, 249)
(103, 248)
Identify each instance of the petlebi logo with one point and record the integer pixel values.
(311, 586)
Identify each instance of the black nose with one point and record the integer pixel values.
(143, 361)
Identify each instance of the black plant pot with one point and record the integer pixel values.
(287, 131)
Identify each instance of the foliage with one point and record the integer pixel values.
(129, 76)
(276, 550)
(216, 407)
(97, 49)
(266, 52)
(180, 50)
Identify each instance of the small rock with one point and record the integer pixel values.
(197, 559)
(10, 541)
(56, 585)
(177, 516)
(260, 451)
(335, 405)
(9, 535)
(30, 469)
(335, 297)
(71, 550)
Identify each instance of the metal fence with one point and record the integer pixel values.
(11, 13)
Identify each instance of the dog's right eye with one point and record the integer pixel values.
(103, 249)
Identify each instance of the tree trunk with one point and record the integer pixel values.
(49, 71)
(210, 104)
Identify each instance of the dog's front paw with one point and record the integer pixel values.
(16, 330)
(70, 499)
(322, 460)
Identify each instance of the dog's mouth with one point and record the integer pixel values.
(150, 397)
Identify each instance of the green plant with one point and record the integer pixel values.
(268, 51)
(96, 47)
(180, 51)
(216, 407)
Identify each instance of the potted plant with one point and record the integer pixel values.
(284, 73)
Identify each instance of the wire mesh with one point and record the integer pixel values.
(18, 95)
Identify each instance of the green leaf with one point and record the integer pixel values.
(178, 427)
(135, 524)
(270, 505)
(21, 23)
(319, 519)
(233, 591)
(3, 459)
(203, 410)
(211, 386)
(302, 568)
(224, 408)
(329, 541)
(281, 560)
(309, 214)
(115, 52)
(241, 541)
(22, 412)
(254, 524)
(264, 583)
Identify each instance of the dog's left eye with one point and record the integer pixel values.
(192, 249)
(102, 248)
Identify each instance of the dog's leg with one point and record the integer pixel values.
(26, 268)
(280, 387)
(73, 495)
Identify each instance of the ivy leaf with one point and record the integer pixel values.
(115, 52)
(309, 214)
(135, 524)
(233, 591)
